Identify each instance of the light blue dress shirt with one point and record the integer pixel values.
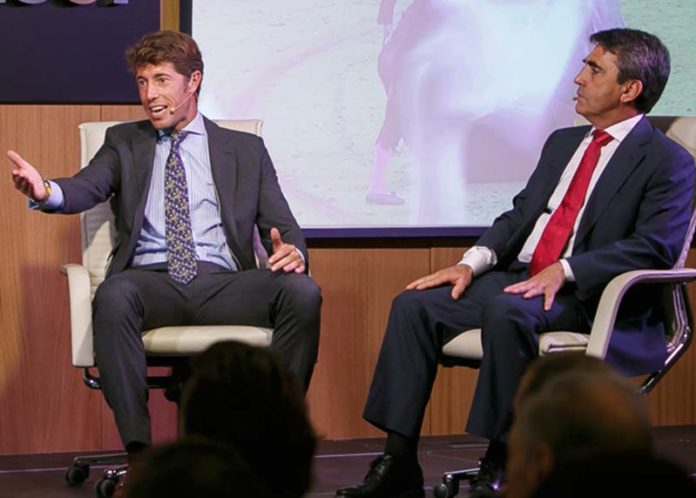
(206, 222)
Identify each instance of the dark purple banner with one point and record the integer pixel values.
(58, 51)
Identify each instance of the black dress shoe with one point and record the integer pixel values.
(389, 477)
(488, 481)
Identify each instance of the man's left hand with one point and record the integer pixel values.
(285, 256)
(547, 282)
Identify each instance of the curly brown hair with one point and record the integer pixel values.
(166, 46)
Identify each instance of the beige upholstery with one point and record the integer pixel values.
(467, 345)
(97, 241)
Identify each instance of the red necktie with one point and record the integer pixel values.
(560, 226)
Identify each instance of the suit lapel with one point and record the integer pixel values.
(223, 163)
(541, 187)
(143, 146)
(627, 157)
(562, 154)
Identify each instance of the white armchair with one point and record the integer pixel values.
(465, 349)
(162, 344)
(97, 242)
(467, 346)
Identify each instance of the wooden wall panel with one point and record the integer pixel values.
(673, 400)
(169, 14)
(357, 287)
(43, 406)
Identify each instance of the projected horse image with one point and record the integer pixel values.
(472, 89)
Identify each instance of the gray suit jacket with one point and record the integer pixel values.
(244, 176)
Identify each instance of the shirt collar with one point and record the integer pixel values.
(195, 127)
(620, 130)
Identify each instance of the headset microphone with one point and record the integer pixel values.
(173, 109)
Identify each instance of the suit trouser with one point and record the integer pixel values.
(421, 322)
(143, 298)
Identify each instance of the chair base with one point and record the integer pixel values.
(117, 463)
(78, 472)
(450, 482)
(106, 486)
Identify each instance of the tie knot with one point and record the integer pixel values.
(601, 137)
(177, 137)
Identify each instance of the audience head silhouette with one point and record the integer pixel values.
(243, 396)
(567, 416)
(194, 468)
(546, 368)
(609, 475)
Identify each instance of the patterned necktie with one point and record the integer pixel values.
(181, 252)
(557, 232)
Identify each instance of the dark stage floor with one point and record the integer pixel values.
(338, 463)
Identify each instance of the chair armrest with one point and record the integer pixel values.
(610, 301)
(79, 292)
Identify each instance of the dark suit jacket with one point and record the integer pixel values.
(242, 170)
(636, 218)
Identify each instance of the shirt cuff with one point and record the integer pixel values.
(567, 270)
(480, 259)
(54, 202)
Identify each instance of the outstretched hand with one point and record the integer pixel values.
(547, 282)
(26, 178)
(459, 276)
(285, 256)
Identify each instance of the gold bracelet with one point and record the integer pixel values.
(47, 186)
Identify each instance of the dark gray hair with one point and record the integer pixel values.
(640, 56)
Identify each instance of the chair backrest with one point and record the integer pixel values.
(97, 224)
(673, 301)
(681, 129)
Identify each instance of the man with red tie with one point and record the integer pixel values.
(604, 199)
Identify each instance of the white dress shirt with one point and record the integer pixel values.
(481, 259)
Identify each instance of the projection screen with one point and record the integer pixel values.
(422, 114)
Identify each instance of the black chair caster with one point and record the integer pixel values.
(105, 487)
(444, 491)
(450, 482)
(77, 474)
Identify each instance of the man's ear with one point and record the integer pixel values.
(631, 90)
(194, 81)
